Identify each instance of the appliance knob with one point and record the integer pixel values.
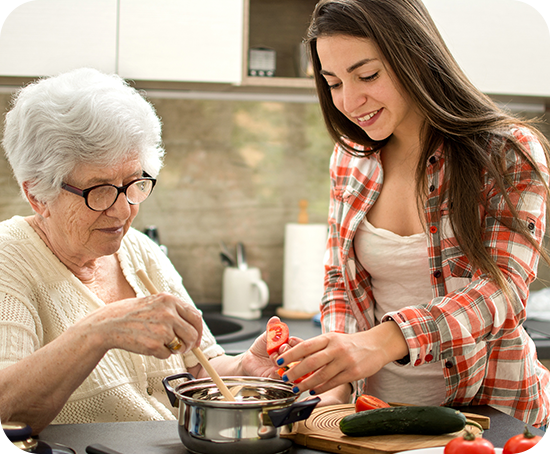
(16, 437)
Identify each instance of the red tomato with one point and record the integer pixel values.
(277, 335)
(282, 371)
(469, 444)
(366, 402)
(521, 442)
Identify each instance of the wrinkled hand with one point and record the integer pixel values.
(146, 325)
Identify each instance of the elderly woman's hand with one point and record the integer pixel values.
(146, 325)
(257, 362)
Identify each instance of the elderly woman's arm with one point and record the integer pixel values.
(36, 388)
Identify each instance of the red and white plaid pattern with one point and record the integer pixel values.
(470, 325)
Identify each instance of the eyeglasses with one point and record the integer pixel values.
(103, 196)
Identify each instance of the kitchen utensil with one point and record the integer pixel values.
(251, 425)
(321, 431)
(226, 255)
(203, 360)
(244, 293)
(98, 448)
(226, 260)
(241, 257)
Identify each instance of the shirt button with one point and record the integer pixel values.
(432, 188)
(531, 226)
(437, 274)
(448, 364)
(433, 160)
(433, 229)
(429, 357)
(149, 390)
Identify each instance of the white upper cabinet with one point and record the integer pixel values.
(181, 40)
(46, 37)
(503, 46)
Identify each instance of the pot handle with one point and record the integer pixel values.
(170, 391)
(296, 412)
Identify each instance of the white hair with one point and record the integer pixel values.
(79, 117)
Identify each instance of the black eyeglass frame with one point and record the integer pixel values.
(121, 189)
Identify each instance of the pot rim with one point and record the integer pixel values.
(207, 382)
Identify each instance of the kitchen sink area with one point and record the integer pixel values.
(230, 329)
(236, 335)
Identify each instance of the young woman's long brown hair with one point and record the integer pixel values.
(457, 115)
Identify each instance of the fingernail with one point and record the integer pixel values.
(285, 378)
(295, 390)
(311, 392)
(280, 362)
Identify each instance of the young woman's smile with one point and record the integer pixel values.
(365, 89)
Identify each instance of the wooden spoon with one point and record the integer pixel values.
(196, 351)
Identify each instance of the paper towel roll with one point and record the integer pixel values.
(303, 267)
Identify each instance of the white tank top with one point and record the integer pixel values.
(400, 277)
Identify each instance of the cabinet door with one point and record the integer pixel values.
(46, 37)
(181, 40)
(503, 46)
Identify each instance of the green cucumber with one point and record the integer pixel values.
(427, 420)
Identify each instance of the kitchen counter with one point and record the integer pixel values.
(161, 437)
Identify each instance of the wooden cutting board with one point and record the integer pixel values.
(321, 431)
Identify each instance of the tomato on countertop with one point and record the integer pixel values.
(277, 335)
(469, 444)
(366, 402)
(521, 442)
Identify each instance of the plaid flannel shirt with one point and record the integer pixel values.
(469, 326)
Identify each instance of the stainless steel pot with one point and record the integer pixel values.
(210, 425)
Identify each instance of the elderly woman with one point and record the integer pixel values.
(81, 339)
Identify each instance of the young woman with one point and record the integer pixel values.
(437, 217)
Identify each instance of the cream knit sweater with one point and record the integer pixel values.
(40, 298)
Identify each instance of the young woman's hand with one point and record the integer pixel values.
(338, 359)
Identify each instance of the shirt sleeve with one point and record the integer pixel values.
(18, 331)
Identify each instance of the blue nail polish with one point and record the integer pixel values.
(311, 392)
(295, 390)
(280, 361)
(285, 378)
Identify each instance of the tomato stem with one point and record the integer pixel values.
(527, 433)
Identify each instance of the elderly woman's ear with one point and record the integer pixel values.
(37, 206)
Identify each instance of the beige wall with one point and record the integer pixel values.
(234, 171)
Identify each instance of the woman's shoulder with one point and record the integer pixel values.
(15, 227)
(17, 235)
(530, 141)
(342, 160)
